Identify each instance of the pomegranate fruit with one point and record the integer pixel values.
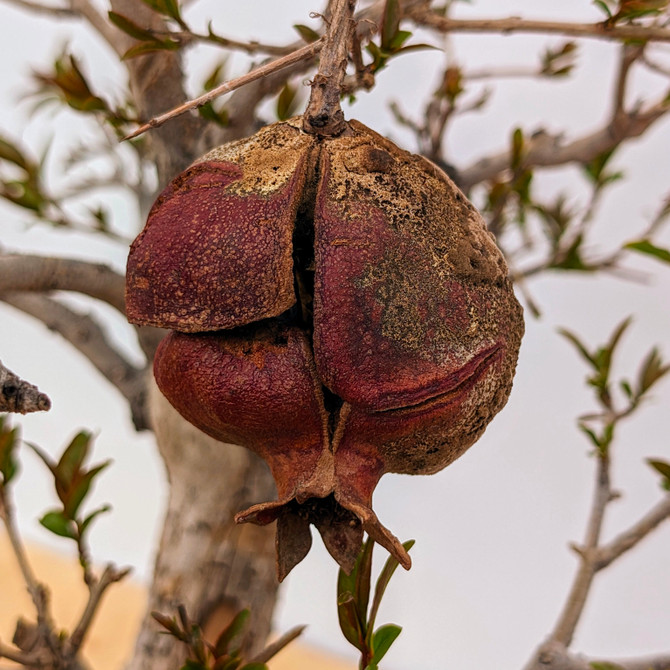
(337, 306)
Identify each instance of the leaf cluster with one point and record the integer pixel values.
(357, 615)
(72, 481)
(224, 654)
(392, 39)
(651, 370)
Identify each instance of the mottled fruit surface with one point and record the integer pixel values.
(339, 307)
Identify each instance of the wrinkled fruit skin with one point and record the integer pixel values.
(338, 307)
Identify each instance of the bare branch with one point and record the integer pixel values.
(631, 537)
(574, 606)
(546, 150)
(515, 24)
(553, 656)
(324, 116)
(41, 273)
(305, 53)
(43, 9)
(17, 395)
(110, 576)
(84, 333)
(39, 595)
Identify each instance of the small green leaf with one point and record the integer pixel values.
(651, 370)
(59, 524)
(399, 39)
(8, 444)
(307, 33)
(390, 23)
(605, 666)
(89, 519)
(286, 102)
(650, 249)
(363, 574)
(232, 633)
(130, 28)
(190, 664)
(603, 6)
(383, 580)
(517, 148)
(591, 434)
(571, 337)
(150, 47)
(663, 468)
(73, 457)
(349, 623)
(382, 640)
(79, 488)
(10, 152)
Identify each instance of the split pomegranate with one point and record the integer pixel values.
(338, 307)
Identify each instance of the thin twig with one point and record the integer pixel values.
(631, 537)
(96, 591)
(37, 592)
(516, 24)
(304, 53)
(45, 10)
(550, 150)
(574, 606)
(324, 116)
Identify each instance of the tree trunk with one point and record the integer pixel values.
(205, 561)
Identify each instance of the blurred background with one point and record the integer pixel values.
(491, 564)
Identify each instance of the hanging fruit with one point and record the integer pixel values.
(338, 307)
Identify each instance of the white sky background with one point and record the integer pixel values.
(491, 563)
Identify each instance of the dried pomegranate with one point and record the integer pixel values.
(338, 307)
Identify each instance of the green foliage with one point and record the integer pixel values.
(288, 102)
(148, 40)
(357, 616)
(392, 39)
(9, 442)
(604, 666)
(650, 249)
(651, 370)
(663, 468)
(73, 483)
(224, 654)
(560, 61)
(307, 33)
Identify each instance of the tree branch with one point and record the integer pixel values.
(516, 24)
(574, 606)
(17, 395)
(324, 116)
(546, 150)
(110, 576)
(87, 336)
(42, 273)
(44, 9)
(629, 538)
(305, 53)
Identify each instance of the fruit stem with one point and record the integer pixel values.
(324, 116)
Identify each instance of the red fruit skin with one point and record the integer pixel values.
(415, 322)
(256, 388)
(217, 248)
(415, 326)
